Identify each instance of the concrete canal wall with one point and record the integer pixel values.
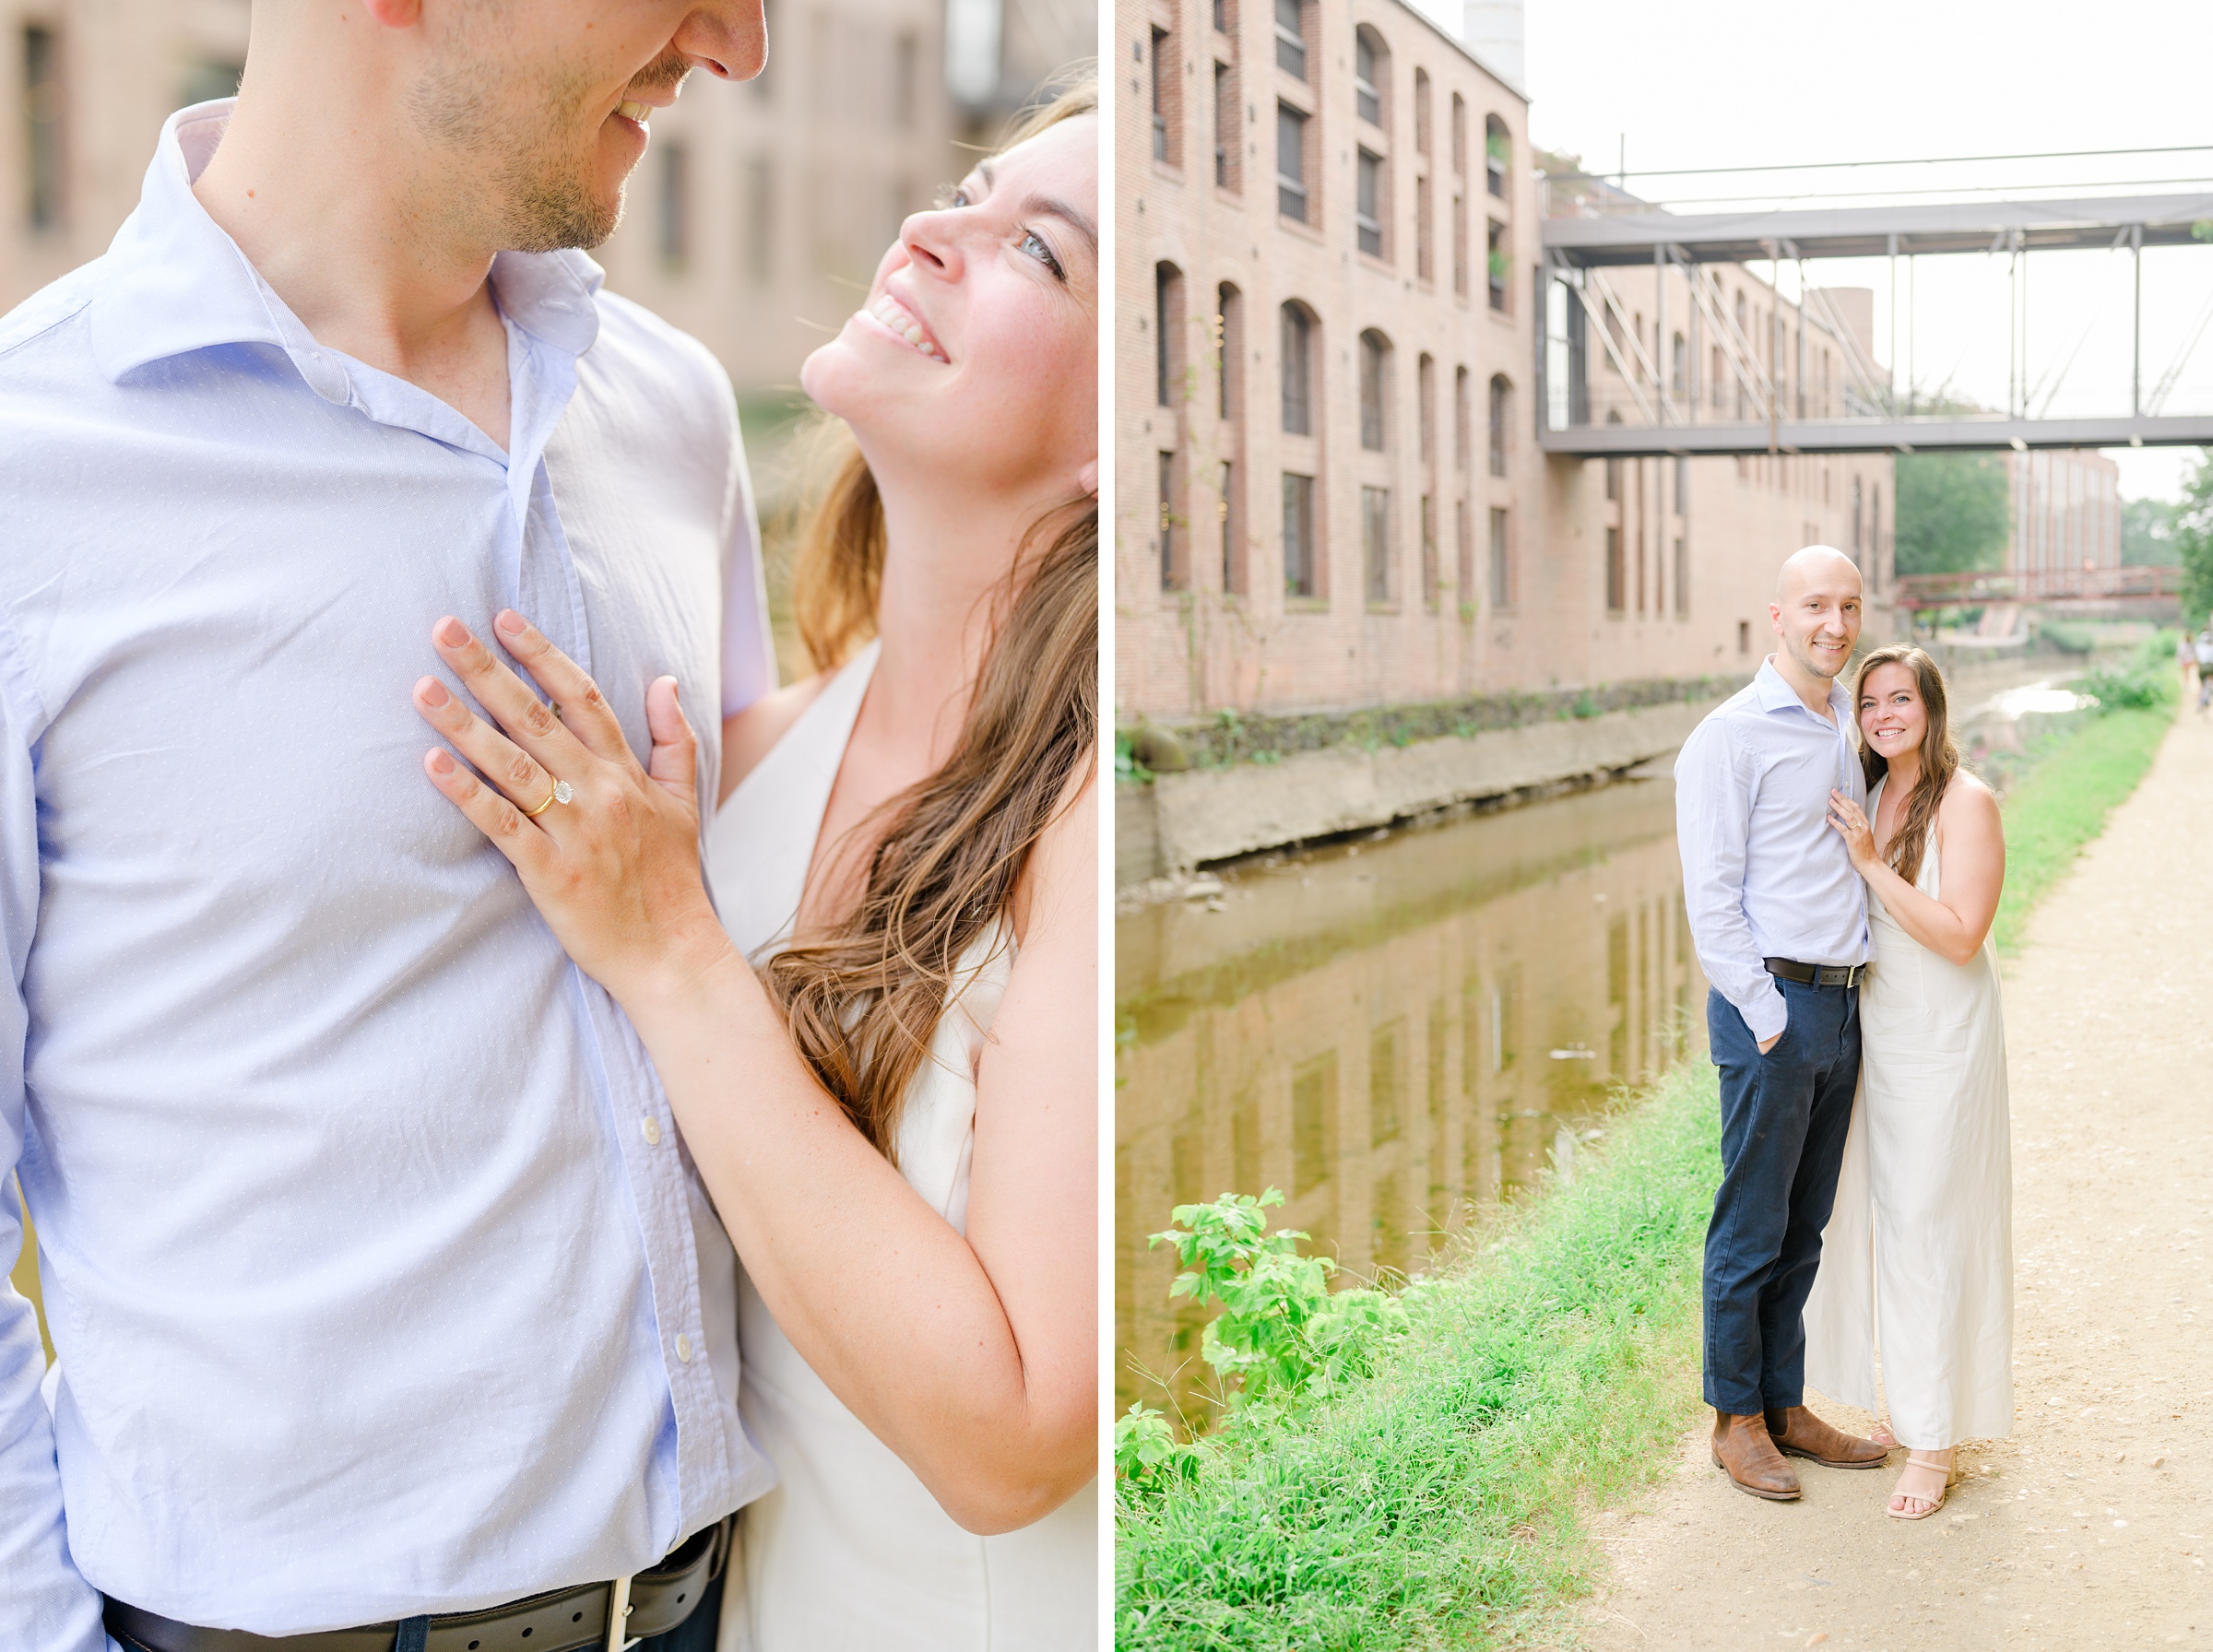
(1179, 821)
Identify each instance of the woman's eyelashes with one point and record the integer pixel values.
(1039, 248)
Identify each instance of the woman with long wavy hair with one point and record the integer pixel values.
(1920, 1243)
(882, 1049)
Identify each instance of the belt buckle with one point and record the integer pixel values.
(618, 1615)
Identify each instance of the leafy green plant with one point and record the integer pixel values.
(1148, 1457)
(1281, 1331)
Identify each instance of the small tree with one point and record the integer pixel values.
(2194, 541)
(1955, 513)
(2147, 533)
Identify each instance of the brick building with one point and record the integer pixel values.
(1329, 490)
(2067, 512)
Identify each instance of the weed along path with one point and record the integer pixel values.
(2092, 1526)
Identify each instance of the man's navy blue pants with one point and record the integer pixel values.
(1783, 1119)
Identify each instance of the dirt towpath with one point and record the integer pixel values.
(2092, 1526)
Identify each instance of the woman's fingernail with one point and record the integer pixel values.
(433, 692)
(513, 624)
(452, 632)
(441, 763)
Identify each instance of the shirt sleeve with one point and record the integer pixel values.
(1713, 817)
(749, 653)
(45, 1605)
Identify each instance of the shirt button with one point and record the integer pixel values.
(652, 1126)
(683, 1348)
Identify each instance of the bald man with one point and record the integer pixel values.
(389, 1311)
(1780, 921)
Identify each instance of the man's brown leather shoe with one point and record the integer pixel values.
(1798, 1432)
(1743, 1451)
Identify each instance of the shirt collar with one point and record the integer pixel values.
(1778, 695)
(174, 282)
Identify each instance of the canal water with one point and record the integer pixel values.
(1397, 1033)
(1400, 1032)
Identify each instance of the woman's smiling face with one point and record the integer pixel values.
(1893, 720)
(975, 358)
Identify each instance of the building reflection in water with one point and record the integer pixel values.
(1396, 1033)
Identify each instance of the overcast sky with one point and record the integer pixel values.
(1734, 82)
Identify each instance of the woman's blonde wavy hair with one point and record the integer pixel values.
(863, 1001)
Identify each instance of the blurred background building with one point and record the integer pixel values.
(754, 222)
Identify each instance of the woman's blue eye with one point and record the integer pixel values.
(1035, 245)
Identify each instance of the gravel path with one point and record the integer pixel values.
(2092, 1526)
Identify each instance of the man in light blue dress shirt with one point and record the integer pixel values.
(381, 1285)
(1780, 921)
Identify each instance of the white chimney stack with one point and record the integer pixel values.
(1492, 29)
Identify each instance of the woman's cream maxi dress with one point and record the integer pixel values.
(1920, 1245)
(851, 1551)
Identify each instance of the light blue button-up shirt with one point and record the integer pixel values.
(1764, 873)
(379, 1279)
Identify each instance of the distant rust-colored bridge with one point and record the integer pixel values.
(2148, 591)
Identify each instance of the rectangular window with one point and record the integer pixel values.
(1425, 396)
(1375, 541)
(1368, 207)
(43, 103)
(1502, 413)
(1613, 479)
(1429, 553)
(1290, 38)
(1502, 559)
(1222, 22)
(1424, 256)
(1164, 331)
(1617, 573)
(1497, 149)
(907, 55)
(1500, 265)
(676, 217)
(760, 219)
(1744, 636)
(1682, 582)
(1160, 70)
(1291, 162)
(1374, 371)
(1682, 483)
(1460, 245)
(1301, 563)
(1226, 127)
(1170, 572)
(1462, 440)
(1298, 372)
(1463, 564)
(1225, 511)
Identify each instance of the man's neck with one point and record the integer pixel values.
(1812, 691)
(336, 212)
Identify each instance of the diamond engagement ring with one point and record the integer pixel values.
(561, 793)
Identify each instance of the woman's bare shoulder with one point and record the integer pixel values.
(1967, 797)
(1063, 868)
(750, 735)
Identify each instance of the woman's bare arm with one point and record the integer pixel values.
(973, 1359)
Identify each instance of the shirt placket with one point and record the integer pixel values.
(634, 1107)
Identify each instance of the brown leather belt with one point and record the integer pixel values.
(559, 1620)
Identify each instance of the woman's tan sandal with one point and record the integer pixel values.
(1923, 1481)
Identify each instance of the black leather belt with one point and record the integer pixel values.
(559, 1620)
(1817, 975)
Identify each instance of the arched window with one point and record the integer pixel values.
(1375, 373)
(1425, 374)
(1372, 73)
(1298, 370)
(1229, 350)
(1460, 135)
(1502, 414)
(1463, 441)
(1498, 157)
(1421, 111)
(1679, 366)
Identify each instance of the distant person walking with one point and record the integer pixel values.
(2185, 659)
(2204, 651)
(1780, 920)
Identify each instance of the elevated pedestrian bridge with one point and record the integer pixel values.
(1640, 351)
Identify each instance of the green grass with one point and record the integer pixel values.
(1441, 1502)
(2062, 804)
